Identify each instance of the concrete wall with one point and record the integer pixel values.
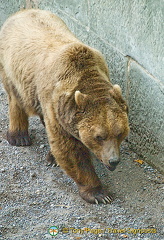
(130, 34)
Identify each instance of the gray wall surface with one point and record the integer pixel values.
(130, 34)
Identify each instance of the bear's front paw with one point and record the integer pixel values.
(95, 195)
(19, 138)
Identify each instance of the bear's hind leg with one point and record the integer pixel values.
(17, 134)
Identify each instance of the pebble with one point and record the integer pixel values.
(42, 146)
(33, 175)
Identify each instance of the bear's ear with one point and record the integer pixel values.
(81, 99)
(117, 89)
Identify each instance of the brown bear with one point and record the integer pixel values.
(48, 72)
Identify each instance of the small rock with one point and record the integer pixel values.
(34, 175)
(124, 236)
(42, 146)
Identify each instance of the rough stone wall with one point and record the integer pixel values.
(130, 34)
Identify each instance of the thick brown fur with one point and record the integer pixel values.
(48, 72)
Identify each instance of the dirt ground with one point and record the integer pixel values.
(35, 196)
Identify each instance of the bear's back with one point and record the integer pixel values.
(38, 51)
(30, 40)
(35, 26)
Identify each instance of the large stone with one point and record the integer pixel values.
(146, 101)
(77, 10)
(134, 27)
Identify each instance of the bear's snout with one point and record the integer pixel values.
(113, 163)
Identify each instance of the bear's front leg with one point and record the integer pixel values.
(90, 187)
(75, 159)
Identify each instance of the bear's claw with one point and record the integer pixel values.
(108, 199)
(95, 195)
(104, 200)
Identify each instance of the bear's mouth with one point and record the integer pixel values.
(111, 168)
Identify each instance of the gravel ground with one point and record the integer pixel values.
(35, 196)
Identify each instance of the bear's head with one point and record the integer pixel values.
(99, 122)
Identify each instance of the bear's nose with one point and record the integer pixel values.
(114, 164)
(114, 161)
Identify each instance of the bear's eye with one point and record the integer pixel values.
(100, 138)
(119, 136)
(79, 113)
